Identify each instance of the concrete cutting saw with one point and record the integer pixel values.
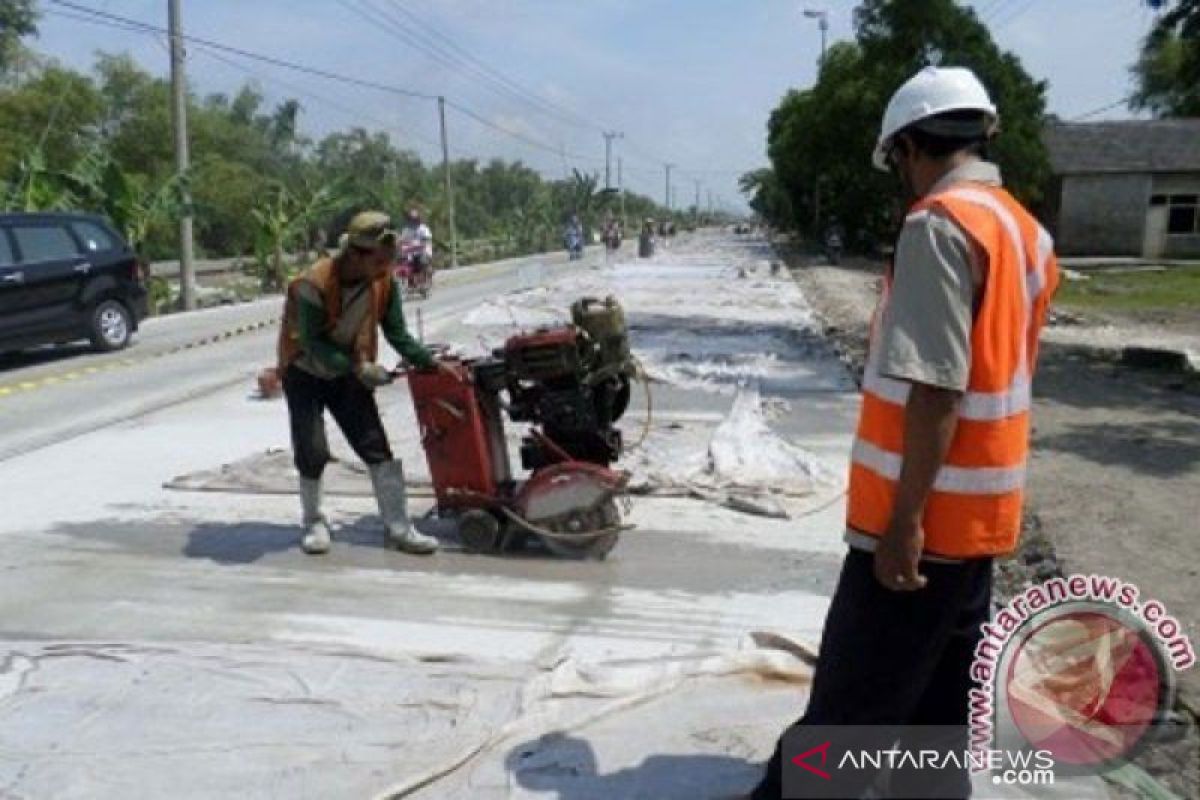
(571, 383)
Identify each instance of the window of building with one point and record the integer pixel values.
(1183, 214)
(44, 243)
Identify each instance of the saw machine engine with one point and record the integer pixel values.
(571, 384)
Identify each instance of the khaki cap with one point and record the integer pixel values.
(369, 230)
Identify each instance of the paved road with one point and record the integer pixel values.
(171, 643)
(54, 393)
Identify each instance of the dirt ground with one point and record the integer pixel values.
(1114, 484)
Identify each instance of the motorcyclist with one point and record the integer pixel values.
(416, 240)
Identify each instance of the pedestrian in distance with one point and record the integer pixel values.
(938, 463)
(646, 239)
(328, 347)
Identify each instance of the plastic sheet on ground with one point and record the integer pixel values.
(199, 720)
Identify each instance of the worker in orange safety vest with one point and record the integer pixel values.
(939, 457)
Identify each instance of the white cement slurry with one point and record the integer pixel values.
(173, 643)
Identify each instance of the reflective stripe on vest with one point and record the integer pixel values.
(974, 507)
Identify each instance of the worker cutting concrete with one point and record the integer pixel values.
(938, 465)
(328, 348)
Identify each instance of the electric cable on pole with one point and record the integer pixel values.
(187, 268)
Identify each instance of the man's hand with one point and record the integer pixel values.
(373, 375)
(898, 556)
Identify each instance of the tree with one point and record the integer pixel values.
(820, 139)
(18, 19)
(1168, 69)
(767, 196)
(283, 219)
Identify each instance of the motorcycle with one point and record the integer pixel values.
(414, 271)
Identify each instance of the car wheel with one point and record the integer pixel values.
(111, 327)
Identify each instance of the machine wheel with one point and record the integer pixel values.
(479, 531)
(603, 515)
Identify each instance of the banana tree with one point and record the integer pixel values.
(35, 187)
(97, 182)
(283, 218)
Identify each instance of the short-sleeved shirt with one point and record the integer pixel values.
(925, 333)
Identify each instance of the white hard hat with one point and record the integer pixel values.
(932, 91)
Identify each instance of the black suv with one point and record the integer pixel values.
(66, 276)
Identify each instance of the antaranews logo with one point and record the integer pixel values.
(1079, 667)
(827, 761)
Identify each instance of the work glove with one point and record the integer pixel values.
(373, 375)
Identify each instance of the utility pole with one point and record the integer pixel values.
(621, 189)
(608, 140)
(187, 267)
(667, 193)
(696, 205)
(449, 187)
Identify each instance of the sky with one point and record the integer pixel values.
(690, 82)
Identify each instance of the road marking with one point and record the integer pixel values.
(7, 390)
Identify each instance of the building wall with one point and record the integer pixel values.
(1102, 215)
(1178, 245)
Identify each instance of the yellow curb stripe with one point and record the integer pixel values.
(93, 369)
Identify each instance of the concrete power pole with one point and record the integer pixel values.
(667, 193)
(449, 186)
(621, 189)
(608, 140)
(696, 205)
(187, 266)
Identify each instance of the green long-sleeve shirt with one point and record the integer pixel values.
(328, 354)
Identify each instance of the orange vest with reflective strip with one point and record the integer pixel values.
(323, 276)
(974, 509)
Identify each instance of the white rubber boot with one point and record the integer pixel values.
(388, 480)
(316, 540)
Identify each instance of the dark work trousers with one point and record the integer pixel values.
(353, 408)
(896, 658)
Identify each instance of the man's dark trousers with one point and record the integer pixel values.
(353, 408)
(895, 658)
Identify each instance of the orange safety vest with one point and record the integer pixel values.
(323, 276)
(974, 509)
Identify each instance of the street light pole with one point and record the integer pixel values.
(822, 17)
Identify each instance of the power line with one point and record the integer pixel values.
(530, 96)
(277, 62)
(95, 16)
(535, 143)
(1102, 109)
(304, 92)
(1017, 10)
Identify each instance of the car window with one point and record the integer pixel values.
(95, 239)
(6, 253)
(44, 243)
